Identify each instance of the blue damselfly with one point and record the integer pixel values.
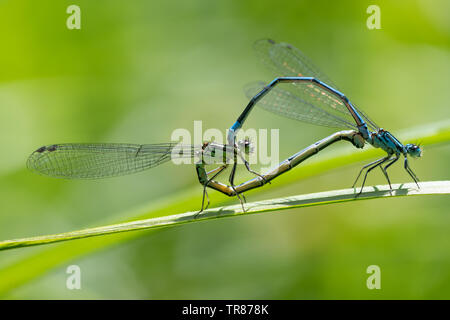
(310, 96)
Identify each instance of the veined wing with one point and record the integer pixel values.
(289, 105)
(284, 60)
(101, 160)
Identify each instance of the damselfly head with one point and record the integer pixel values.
(245, 145)
(413, 150)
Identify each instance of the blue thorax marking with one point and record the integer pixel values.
(232, 132)
(236, 126)
(398, 145)
(386, 141)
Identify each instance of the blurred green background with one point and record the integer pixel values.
(137, 70)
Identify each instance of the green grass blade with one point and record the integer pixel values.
(313, 199)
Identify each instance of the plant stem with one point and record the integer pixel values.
(313, 199)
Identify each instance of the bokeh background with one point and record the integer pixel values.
(137, 70)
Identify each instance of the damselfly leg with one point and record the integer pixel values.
(247, 165)
(384, 170)
(231, 180)
(369, 168)
(411, 173)
(215, 173)
(363, 168)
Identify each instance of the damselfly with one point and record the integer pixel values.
(310, 96)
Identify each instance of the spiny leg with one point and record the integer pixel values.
(384, 169)
(411, 173)
(367, 165)
(217, 171)
(247, 165)
(231, 180)
(232, 185)
(383, 160)
(205, 193)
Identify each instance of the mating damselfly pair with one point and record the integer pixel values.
(307, 95)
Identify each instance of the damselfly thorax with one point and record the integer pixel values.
(217, 153)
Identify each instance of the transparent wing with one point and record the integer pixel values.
(101, 160)
(284, 60)
(289, 105)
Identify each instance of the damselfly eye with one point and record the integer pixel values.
(413, 150)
